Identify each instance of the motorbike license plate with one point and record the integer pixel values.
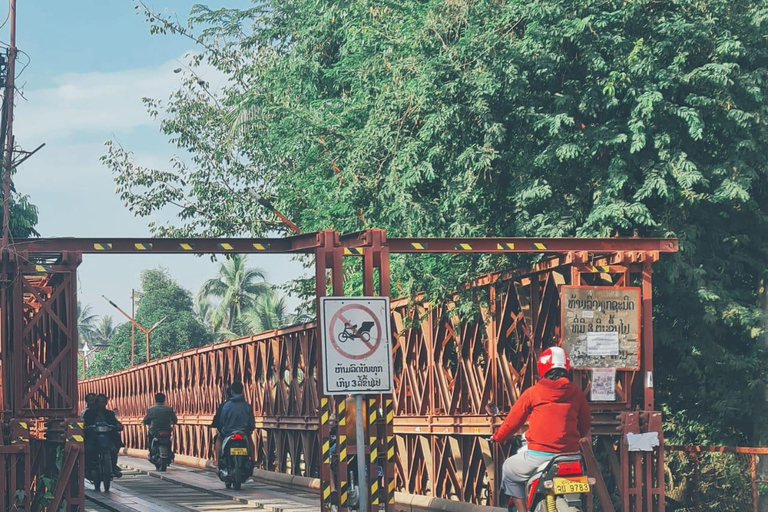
(238, 451)
(574, 485)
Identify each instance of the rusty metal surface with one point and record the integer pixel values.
(447, 370)
(38, 404)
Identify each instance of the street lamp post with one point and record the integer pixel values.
(138, 326)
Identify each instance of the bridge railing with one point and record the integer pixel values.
(447, 370)
(715, 477)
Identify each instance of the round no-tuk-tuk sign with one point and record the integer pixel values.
(357, 349)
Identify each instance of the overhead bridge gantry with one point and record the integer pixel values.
(38, 360)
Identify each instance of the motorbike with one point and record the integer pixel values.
(160, 452)
(99, 467)
(235, 464)
(558, 485)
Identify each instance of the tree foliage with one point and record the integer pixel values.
(483, 117)
(160, 297)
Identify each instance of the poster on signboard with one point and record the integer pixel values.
(601, 326)
(357, 345)
(603, 385)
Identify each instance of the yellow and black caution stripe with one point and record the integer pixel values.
(389, 416)
(373, 413)
(42, 268)
(186, 246)
(143, 246)
(341, 416)
(225, 247)
(506, 246)
(325, 415)
(419, 246)
(327, 494)
(260, 246)
(374, 475)
(463, 247)
(598, 268)
(22, 433)
(102, 246)
(75, 432)
(539, 246)
(353, 251)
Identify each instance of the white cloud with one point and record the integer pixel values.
(97, 102)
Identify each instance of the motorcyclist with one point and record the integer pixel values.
(90, 402)
(216, 423)
(237, 415)
(558, 416)
(100, 414)
(159, 417)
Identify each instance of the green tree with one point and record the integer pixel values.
(160, 297)
(237, 288)
(86, 324)
(541, 118)
(103, 331)
(270, 312)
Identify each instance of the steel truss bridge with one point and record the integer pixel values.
(428, 435)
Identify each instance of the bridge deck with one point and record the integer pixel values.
(181, 489)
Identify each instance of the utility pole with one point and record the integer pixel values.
(133, 321)
(10, 87)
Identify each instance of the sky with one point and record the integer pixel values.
(90, 63)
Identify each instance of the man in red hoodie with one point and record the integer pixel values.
(558, 416)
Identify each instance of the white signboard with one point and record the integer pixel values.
(357, 346)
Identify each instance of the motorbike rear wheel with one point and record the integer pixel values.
(106, 470)
(163, 466)
(237, 483)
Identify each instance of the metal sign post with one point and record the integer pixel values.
(357, 360)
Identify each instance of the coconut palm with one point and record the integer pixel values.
(237, 287)
(104, 331)
(270, 312)
(85, 324)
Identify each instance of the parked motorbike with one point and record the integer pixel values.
(99, 467)
(235, 464)
(558, 485)
(160, 451)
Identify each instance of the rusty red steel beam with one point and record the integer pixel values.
(307, 243)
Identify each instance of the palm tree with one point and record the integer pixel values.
(104, 331)
(237, 287)
(269, 313)
(85, 324)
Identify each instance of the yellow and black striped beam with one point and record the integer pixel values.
(306, 243)
(353, 251)
(530, 245)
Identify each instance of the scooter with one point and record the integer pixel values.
(160, 452)
(558, 485)
(235, 464)
(99, 468)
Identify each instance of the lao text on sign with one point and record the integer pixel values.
(601, 326)
(357, 347)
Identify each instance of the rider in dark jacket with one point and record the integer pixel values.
(100, 414)
(237, 414)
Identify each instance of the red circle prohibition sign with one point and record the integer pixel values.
(339, 315)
